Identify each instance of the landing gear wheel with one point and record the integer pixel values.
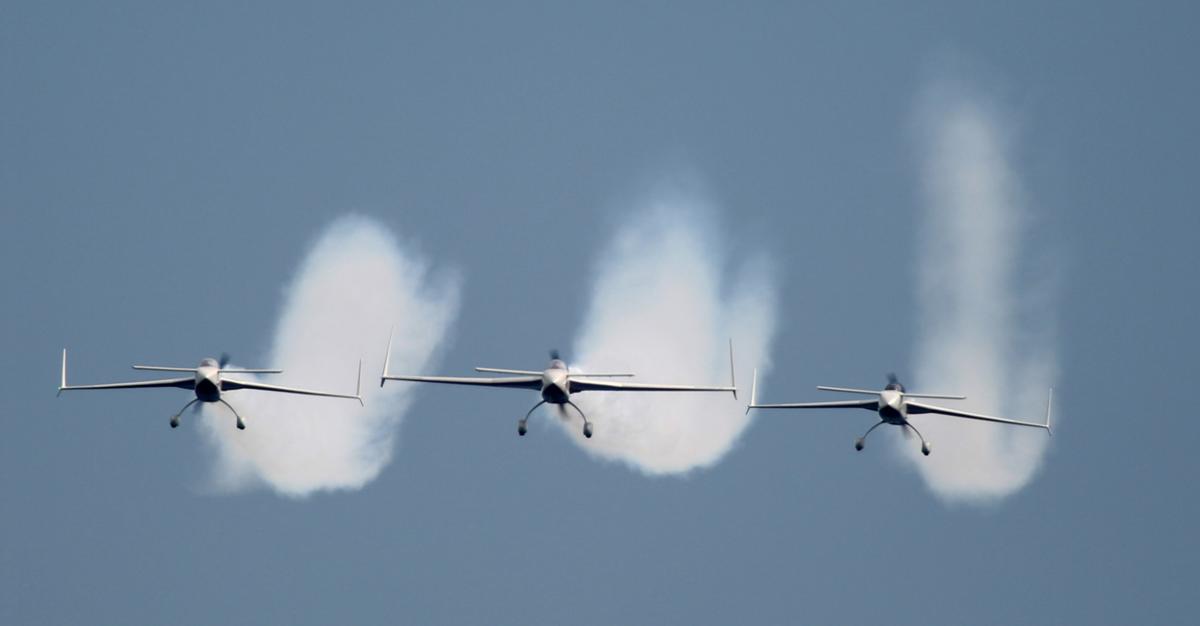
(521, 428)
(858, 444)
(175, 421)
(587, 430)
(240, 424)
(925, 449)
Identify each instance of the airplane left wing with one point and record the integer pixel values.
(915, 408)
(229, 384)
(585, 384)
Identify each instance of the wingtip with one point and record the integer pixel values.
(387, 357)
(358, 384)
(753, 391)
(1049, 404)
(732, 376)
(62, 381)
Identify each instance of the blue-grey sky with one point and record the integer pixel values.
(165, 170)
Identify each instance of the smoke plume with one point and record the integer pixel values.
(665, 304)
(355, 284)
(985, 325)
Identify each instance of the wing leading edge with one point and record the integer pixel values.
(230, 384)
(917, 408)
(583, 383)
(179, 383)
(512, 382)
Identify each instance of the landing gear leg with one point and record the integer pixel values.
(521, 429)
(175, 417)
(587, 426)
(240, 424)
(924, 444)
(861, 441)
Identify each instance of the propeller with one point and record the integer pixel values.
(892, 379)
(224, 360)
(554, 354)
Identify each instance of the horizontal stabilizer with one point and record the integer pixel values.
(934, 396)
(869, 392)
(498, 370)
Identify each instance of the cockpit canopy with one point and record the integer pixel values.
(209, 363)
(557, 364)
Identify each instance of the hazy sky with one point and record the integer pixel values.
(165, 173)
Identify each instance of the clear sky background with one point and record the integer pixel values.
(163, 172)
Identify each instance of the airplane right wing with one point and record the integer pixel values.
(181, 383)
(511, 382)
(872, 405)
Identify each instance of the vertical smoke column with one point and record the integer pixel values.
(985, 327)
(355, 284)
(664, 305)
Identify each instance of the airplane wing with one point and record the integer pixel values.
(585, 384)
(870, 405)
(181, 383)
(229, 384)
(509, 382)
(919, 407)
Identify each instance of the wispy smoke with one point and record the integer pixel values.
(664, 306)
(355, 284)
(986, 327)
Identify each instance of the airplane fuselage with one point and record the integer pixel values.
(556, 386)
(892, 408)
(208, 381)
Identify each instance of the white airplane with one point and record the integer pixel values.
(556, 384)
(208, 382)
(894, 404)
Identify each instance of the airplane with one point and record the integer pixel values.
(894, 404)
(556, 383)
(208, 382)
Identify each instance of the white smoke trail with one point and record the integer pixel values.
(664, 306)
(355, 284)
(983, 333)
